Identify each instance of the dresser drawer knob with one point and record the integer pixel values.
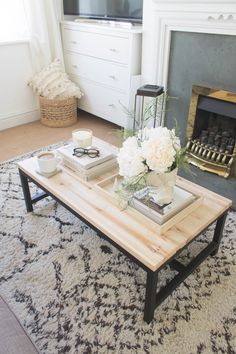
(112, 77)
(73, 42)
(111, 105)
(113, 50)
(75, 66)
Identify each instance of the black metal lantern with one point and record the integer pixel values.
(150, 91)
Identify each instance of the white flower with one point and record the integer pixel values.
(156, 133)
(131, 143)
(130, 159)
(159, 148)
(155, 149)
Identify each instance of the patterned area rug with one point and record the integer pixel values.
(75, 293)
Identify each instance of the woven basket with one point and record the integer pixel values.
(58, 113)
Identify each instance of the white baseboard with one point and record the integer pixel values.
(12, 120)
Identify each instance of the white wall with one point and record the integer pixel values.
(18, 105)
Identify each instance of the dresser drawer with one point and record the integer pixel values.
(107, 73)
(102, 46)
(102, 101)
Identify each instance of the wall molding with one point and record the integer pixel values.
(18, 118)
(161, 17)
(222, 17)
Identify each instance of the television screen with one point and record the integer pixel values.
(105, 9)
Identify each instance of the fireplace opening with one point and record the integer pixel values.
(211, 131)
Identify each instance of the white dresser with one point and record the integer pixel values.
(105, 61)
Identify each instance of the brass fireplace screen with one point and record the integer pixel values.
(211, 131)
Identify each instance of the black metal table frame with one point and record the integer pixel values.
(152, 298)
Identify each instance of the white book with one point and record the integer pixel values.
(106, 152)
(161, 214)
(92, 172)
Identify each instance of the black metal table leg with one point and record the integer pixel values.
(26, 191)
(218, 233)
(150, 298)
(154, 299)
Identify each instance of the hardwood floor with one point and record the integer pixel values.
(29, 137)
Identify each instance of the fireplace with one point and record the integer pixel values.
(183, 46)
(211, 130)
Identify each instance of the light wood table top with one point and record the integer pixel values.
(129, 229)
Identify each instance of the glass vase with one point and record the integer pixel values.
(161, 186)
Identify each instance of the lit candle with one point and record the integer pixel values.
(82, 137)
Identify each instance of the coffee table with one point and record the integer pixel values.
(129, 231)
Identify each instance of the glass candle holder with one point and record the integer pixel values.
(82, 137)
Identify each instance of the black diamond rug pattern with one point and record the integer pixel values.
(75, 293)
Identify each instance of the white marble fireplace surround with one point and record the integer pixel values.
(161, 17)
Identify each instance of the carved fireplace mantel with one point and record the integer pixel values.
(161, 17)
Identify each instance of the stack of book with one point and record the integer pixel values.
(87, 167)
(161, 214)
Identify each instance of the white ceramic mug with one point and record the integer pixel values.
(48, 161)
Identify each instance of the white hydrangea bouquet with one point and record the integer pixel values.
(152, 152)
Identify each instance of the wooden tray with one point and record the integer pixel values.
(108, 185)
